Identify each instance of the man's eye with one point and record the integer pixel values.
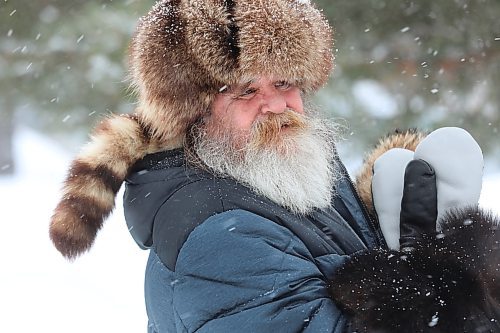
(283, 85)
(248, 92)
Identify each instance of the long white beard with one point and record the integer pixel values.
(296, 171)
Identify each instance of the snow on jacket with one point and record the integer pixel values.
(224, 259)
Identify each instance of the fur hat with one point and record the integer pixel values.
(183, 53)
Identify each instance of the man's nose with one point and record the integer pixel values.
(274, 103)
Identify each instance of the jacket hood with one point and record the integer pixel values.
(152, 179)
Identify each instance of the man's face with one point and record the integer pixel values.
(259, 134)
(239, 107)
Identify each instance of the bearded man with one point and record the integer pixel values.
(231, 183)
(258, 134)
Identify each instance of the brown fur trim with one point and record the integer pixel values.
(94, 178)
(184, 51)
(408, 139)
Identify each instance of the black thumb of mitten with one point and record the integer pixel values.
(419, 204)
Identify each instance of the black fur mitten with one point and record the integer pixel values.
(449, 283)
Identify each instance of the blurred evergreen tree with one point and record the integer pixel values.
(63, 65)
(423, 64)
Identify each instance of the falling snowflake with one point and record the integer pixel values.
(434, 320)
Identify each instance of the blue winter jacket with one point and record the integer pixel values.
(224, 259)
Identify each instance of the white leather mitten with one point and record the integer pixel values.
(387, 191)
(458, 162)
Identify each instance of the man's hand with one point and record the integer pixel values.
(412, 190)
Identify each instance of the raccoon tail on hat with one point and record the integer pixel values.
(93, 180)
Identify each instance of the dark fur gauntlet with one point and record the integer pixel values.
(449, 283)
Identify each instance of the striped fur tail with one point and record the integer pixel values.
(93, 180)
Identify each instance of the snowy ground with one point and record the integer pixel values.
(40, 291)
(99, 292)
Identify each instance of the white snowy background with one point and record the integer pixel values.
(40, 291)
(102, 291)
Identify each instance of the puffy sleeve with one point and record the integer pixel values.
(239, 272)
